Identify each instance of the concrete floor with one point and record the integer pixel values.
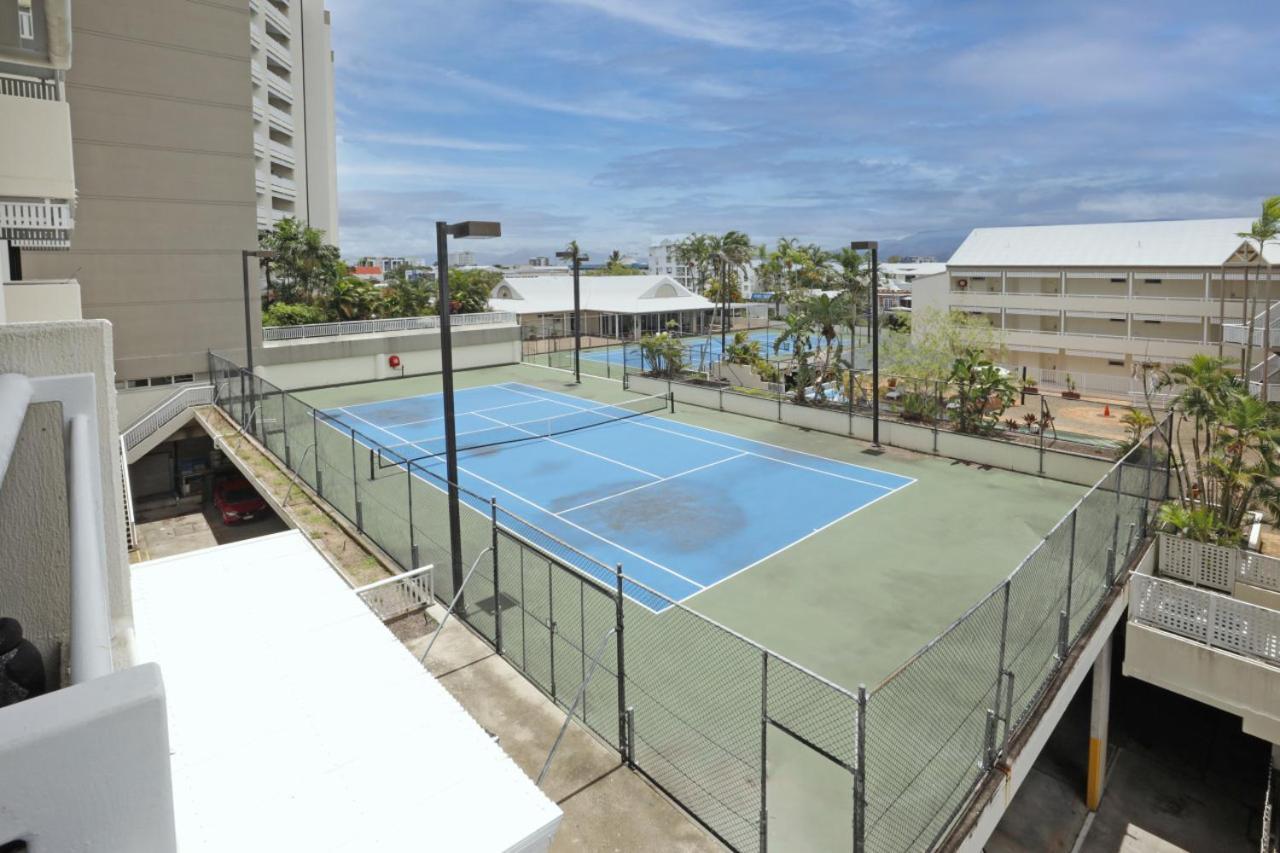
(606, 805)
(1180, 777)
(192, 530)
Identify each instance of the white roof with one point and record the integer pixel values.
(610, 294)
(1179, 243)
(916, 269)
(297, 721)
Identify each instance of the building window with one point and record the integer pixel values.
(1115, 363)
(1153, 322)
(1117, 319)
(1118, 280)
(1153, 281)
(183, 377)
(137, 383)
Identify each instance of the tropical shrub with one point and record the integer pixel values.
(288, 314)
(662, 354)
(983, 392)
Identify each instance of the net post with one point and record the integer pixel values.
(315, 443)
(764, 749)
(355, 484)
(373, 472)
(497, 594)
(671, 395)
(626, 716)
(860, 775)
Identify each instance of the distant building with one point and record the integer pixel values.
(367, 273)
(663, 261)
(1107, 299)
(462, 259)
(900, 275)
(622, 306)
(540, 262)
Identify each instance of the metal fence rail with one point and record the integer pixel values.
(393, 324)
(692, 704)
(192, 395)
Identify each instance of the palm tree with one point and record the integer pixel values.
(304, 264)
(615, 258)
(1205, 384)
(729, 253)
(1263, 230)
(695, 251)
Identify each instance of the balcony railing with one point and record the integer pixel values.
(281, 119)
(279, 53)
(1216, 620)
(277, 19)
(281, 154)
(16, 86)
(394, 324)
(279, 86)
(283, 187)
(256, 72)
(396, 596)
(36, 225)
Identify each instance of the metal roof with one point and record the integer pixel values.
(1178, 243)
(610, 294)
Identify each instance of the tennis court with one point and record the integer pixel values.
(681, 507)
(701, 351)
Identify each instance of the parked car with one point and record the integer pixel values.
(237, 501)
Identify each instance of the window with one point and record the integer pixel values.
(1153, 281)
(137, 383)
(161, 380)
(183, 377)
(1118, 280)
(1117, 319)
(1153, 322)
(979, 278)
(1114, 363)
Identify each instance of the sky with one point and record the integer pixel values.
(615, 121)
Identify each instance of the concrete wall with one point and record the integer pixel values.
(35, 149)
(36, 301)
(56, 349)
(163, 141)
(361, 358)
(35, 585)
(318, 147)
(87, 767)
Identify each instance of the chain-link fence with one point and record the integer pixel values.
(694, 705)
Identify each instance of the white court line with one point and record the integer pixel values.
(638, 422)
(584, 530)
(570, 446)
(647, 485)
(565, 520)
(468, 412)
(370, 423)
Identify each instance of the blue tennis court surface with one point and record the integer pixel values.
(682, 508)
(702, 350)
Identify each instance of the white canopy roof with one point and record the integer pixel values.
(1180, 243)
(609, 294)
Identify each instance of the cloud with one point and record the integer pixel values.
(694, 20)
(424, 140)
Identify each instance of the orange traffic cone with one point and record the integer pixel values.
(1106, 410)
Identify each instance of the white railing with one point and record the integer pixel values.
(279, 53)
(144, 427)
(277, 19)
(30, 87)
(393, 324)
(1216, 566)
(1217, 620)
(396, 596)
(1238, 333)
(130, 523)
(281, 87)
(36, 225)
(281, 153)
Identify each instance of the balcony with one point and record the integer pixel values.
(1207, 626)
(36, 225)
(256, 72)
(280, 120)
(38, 300)
(260, 184)
(281, 154)
(279, 54)
(259, 146)
(259, 111)
(36, 88)
(279, 86)
(282, 187)
(277, 21)
(37, 171)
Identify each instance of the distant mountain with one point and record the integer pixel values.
(940, 244)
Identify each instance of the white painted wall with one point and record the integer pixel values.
(35, 149)
(364, 368)
(58, 349)
(40, 301)
(87, 767)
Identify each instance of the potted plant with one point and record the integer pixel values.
(1071, 393)
(1011, 424)
(1029, 387)
(1030, 420)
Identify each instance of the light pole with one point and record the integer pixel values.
(263, 256)
(573, 254)
(461, 231)
(874, 246)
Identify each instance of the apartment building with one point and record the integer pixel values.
(291, 67)
(662, 261)
(1105, 299)
(37, 171)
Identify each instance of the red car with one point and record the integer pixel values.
(237, 501)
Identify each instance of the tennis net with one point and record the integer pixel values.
(400, 455)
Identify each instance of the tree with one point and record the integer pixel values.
(983, 392)
(351, 298)
(470, 289)
(663, 353)
(404, 297)
(730, 253)
(286, 314)
(713, 291)
(304, 265)
(694, 251)
(798, 332)
(1262, 231)
(936, 340)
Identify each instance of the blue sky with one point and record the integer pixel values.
(611, 121)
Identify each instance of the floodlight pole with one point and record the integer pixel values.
(443, 231)
(577, 258)
(450, 427)
(874, 246)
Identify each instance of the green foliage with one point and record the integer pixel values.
(351, 298)
(404, 298)
(937, 339)
(983, 392)
(897, 322)
(743, 350)
(287, 314)
(304, 265)
(470, 289)
(663, 354)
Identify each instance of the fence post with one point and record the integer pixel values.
(764, 749)
(860, 775)
(413, 544)
(1004, 637)
(626, 720)
(1146, 490)
(1071, 564)
(355, 484)
(551, 629)
(284, 429)
(497, 594)
(315, 444)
